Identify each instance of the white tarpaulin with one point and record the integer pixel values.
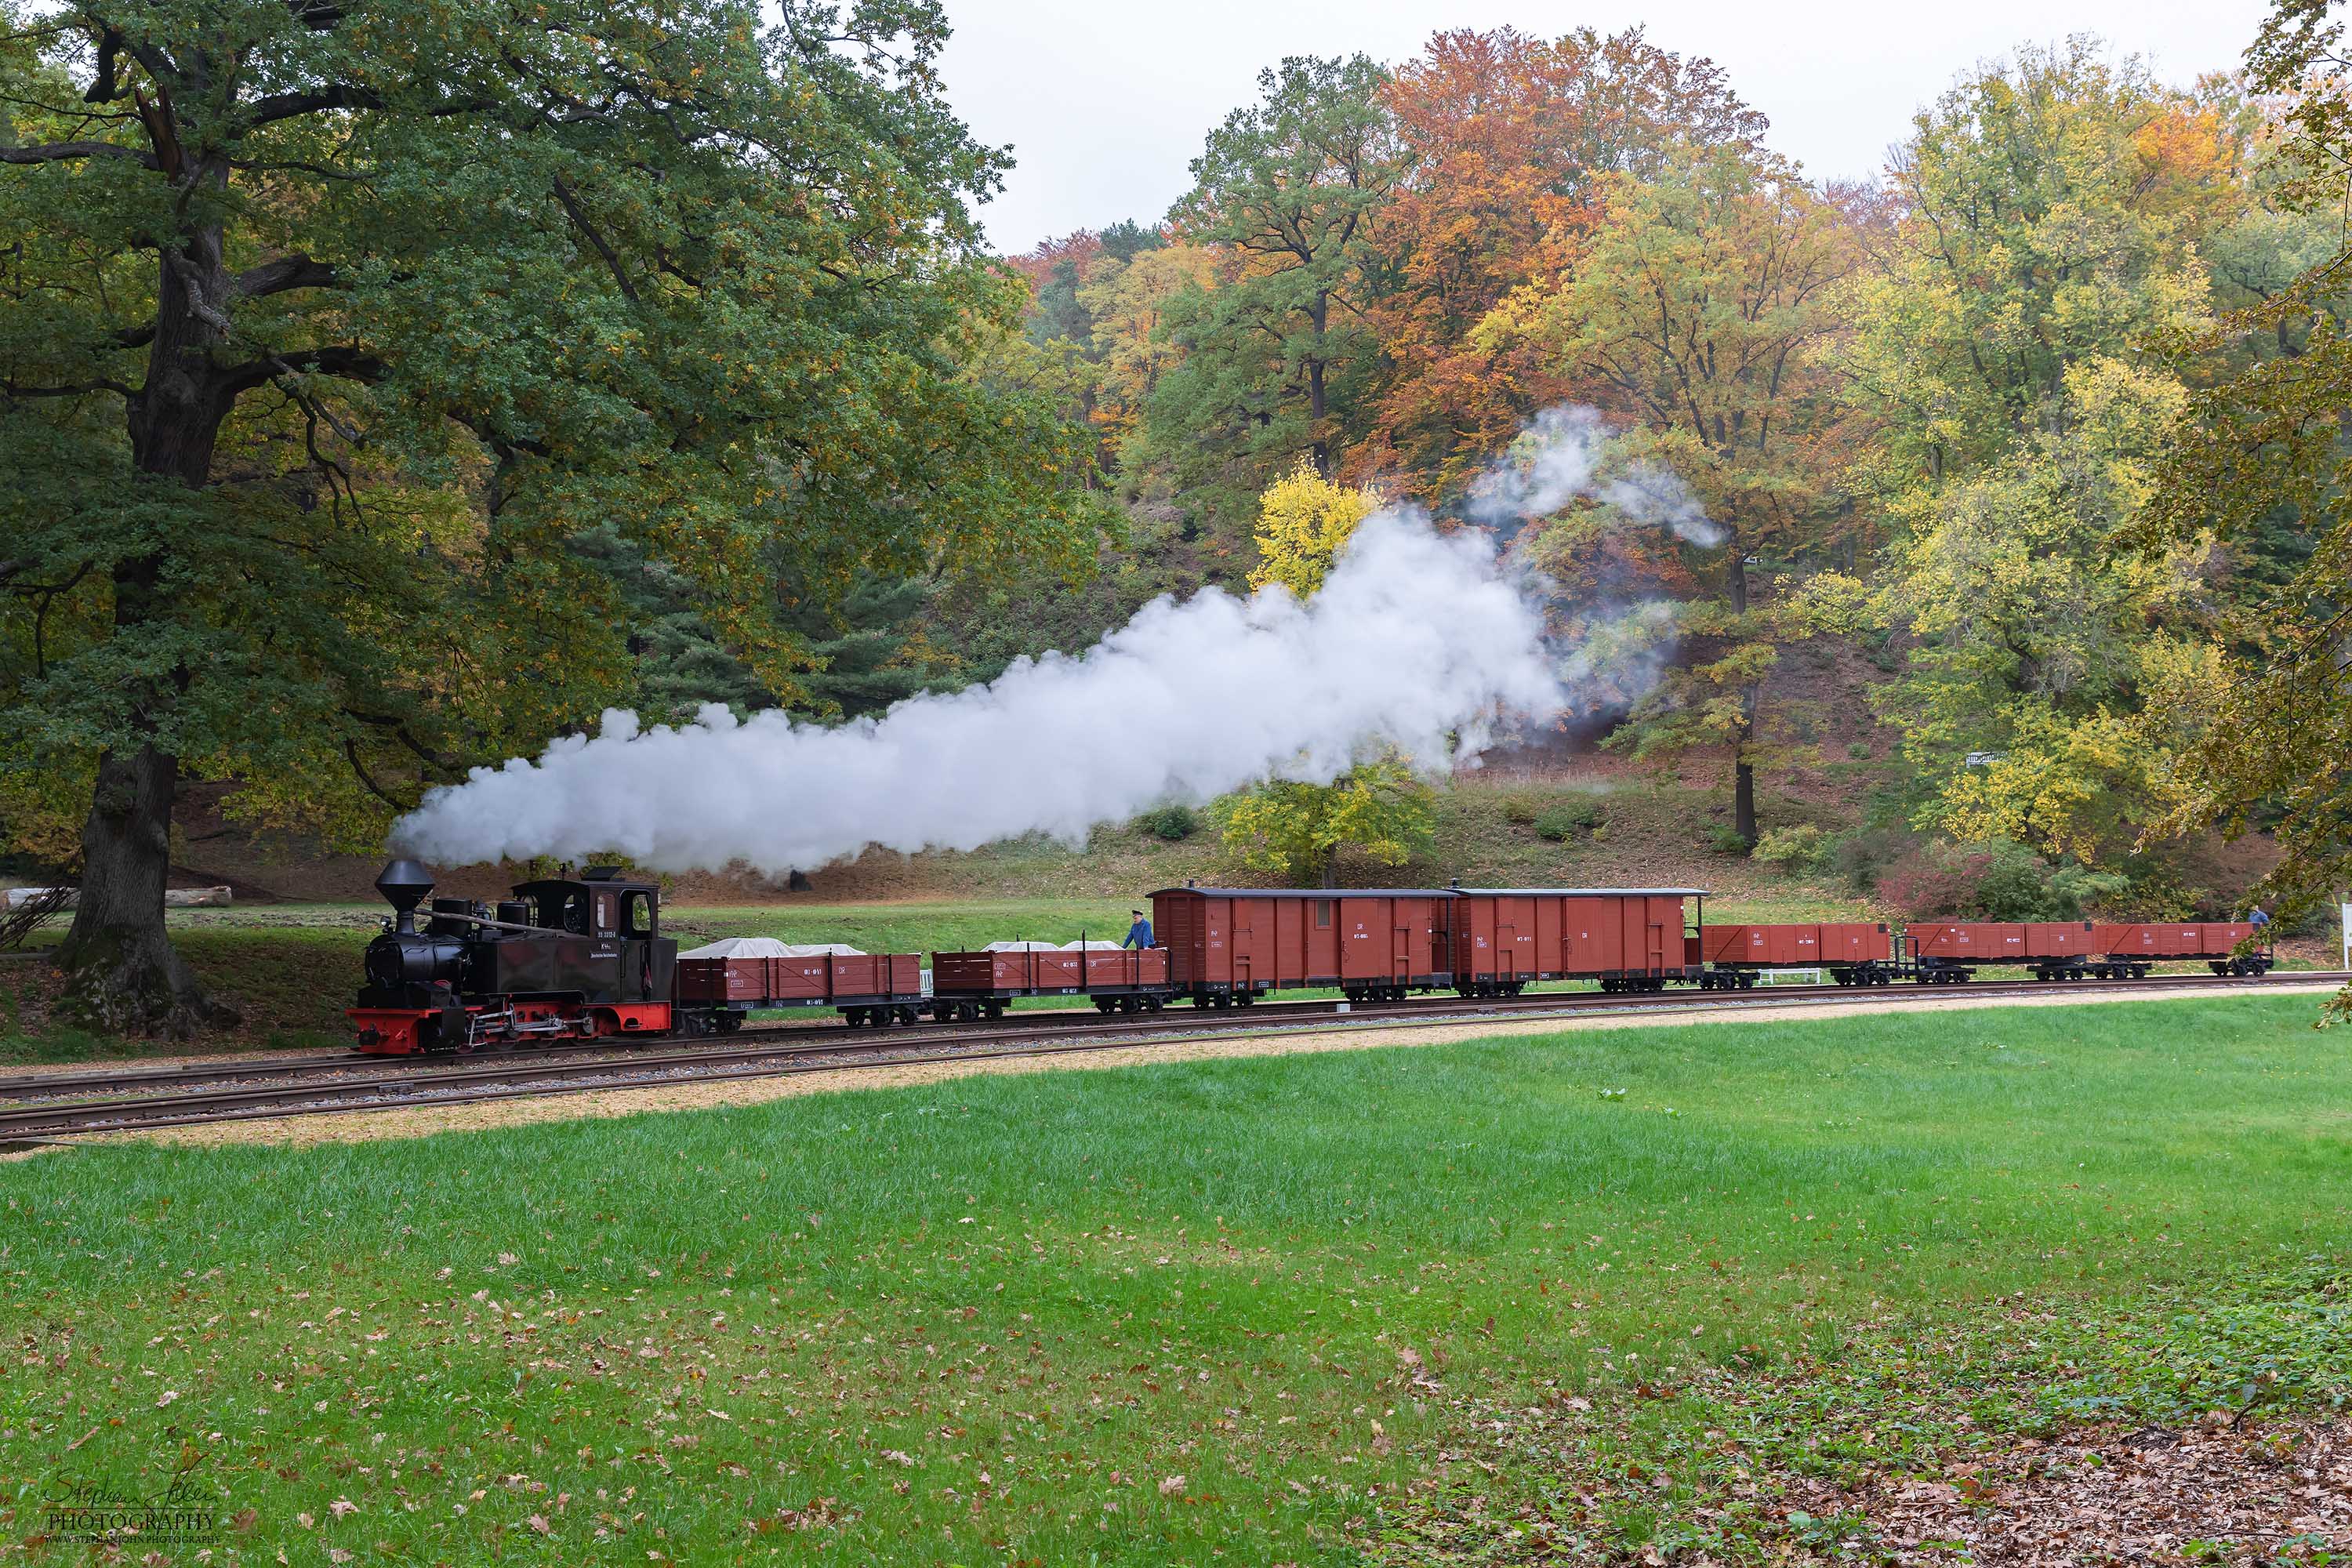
(1046, 946)
(769, 947)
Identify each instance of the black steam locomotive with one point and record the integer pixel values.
(562, 959)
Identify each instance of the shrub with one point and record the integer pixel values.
(1172, 824)
(1858, 750)
(1566, 820)
(1520, 810)
(1996, 882)
(1725, 839)
(1800, 848)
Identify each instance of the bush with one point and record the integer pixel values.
(1171, 824)
(1725, 839)
(1567, 820)
(1858, 750)
(1800, 848)
(1521, 810)
(1997, 881)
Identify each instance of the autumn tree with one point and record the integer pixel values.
(2262, 721)
(1694, 308)
(1380, 806)
(1298, 830)
(1507, 143)
(326, 330)
(1131, 305)
(2012, 346)
(1288, 190)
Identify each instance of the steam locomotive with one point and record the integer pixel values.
(564, 959)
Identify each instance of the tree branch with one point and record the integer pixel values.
(63, 151)
(579, 220)
(286, 273)
(344, 360)
(10, 389)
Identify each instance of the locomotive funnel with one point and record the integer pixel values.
(404, 884)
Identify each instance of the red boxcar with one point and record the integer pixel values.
(1626, 937)
(868, 987)
(967, 984)
(1231, 945)
(1851, 950)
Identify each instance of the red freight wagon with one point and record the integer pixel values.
(868, 987)
(1626, 937)
(2138, 946)
(967, 984)
(1853, 952)
(1231, 945)
(1946, 951)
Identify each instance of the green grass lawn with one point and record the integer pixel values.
(1170, 1313)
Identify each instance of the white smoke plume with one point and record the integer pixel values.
(1414, 637)
(1417, 640)
(1565, 455)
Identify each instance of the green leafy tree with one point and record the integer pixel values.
(1289, 190)
(1298, 830)
(326, 330)
(2012, 348)
(2263, 720)
(1695, 309)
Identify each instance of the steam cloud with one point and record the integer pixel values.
(1418, 640)
(1563, 456)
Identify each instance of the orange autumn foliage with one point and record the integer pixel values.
(1507, 137)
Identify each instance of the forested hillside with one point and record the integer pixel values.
(384, 401)
(1931, 418)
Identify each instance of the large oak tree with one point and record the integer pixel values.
(328, 328)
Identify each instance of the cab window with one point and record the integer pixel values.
(606, 924)
(637, 916)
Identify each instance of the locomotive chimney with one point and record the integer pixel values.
(404, 884)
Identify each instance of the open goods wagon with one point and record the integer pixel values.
(870, 988)
(1946, 951)
(970, 985)
(1854, 952)
(1628, 939)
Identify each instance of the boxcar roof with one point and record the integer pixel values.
(1312, 892)
(1591, 892)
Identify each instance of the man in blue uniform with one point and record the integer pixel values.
(1139, 935)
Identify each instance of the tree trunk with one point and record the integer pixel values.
(1743, 771)
(122, 972)
(123, 976)
(1317, 402)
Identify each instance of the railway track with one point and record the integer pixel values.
(37, 1109)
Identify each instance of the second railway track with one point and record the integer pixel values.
(353, 1084)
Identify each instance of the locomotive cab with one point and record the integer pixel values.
(596, 939)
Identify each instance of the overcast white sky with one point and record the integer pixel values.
(1104, 102)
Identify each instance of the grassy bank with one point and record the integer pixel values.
(1135, 1316)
